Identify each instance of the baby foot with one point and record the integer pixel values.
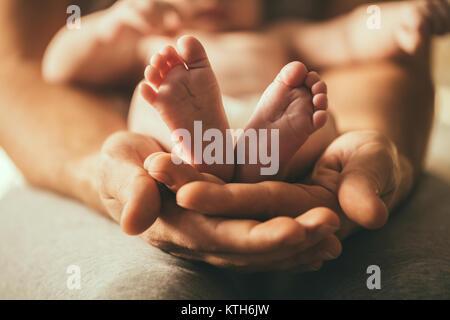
(295, 104)
(182, 86)
(405, 28)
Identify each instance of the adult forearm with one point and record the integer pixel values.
(53, 133)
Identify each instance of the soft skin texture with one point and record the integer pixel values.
(58, 144)
(295, 104)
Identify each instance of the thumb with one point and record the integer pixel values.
(359, 198)
(368, 179)
(142, 205)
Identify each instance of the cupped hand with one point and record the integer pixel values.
(132, 197)
(250, 244)
(360, 176)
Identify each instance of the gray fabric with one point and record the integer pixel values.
(42, 234)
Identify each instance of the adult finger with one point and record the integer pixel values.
(162, 167)
(260, 200)
(329, 248)
(186, 231)
(320, 244)
(281, 260)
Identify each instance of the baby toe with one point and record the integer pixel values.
(153, 76)
(192, 52)
(320, 119)
(320, 101)
(293, 74)
(160, 63)
(147, 92)
(319, 87)
(170, 54)
(311, 79)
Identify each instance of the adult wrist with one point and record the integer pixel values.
(80, 181)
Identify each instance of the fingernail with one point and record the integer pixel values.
(327, 229)
(162, 177)
(149, 159)
(124, 209)
(123, 214)
(316, 266)
(326, 255)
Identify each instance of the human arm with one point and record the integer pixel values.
(50, 132)
(109, 47)
(365, 32)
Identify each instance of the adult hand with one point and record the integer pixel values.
(281, 243)
(360, 176)
(132, 197)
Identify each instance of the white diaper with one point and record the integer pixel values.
(240, 110)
